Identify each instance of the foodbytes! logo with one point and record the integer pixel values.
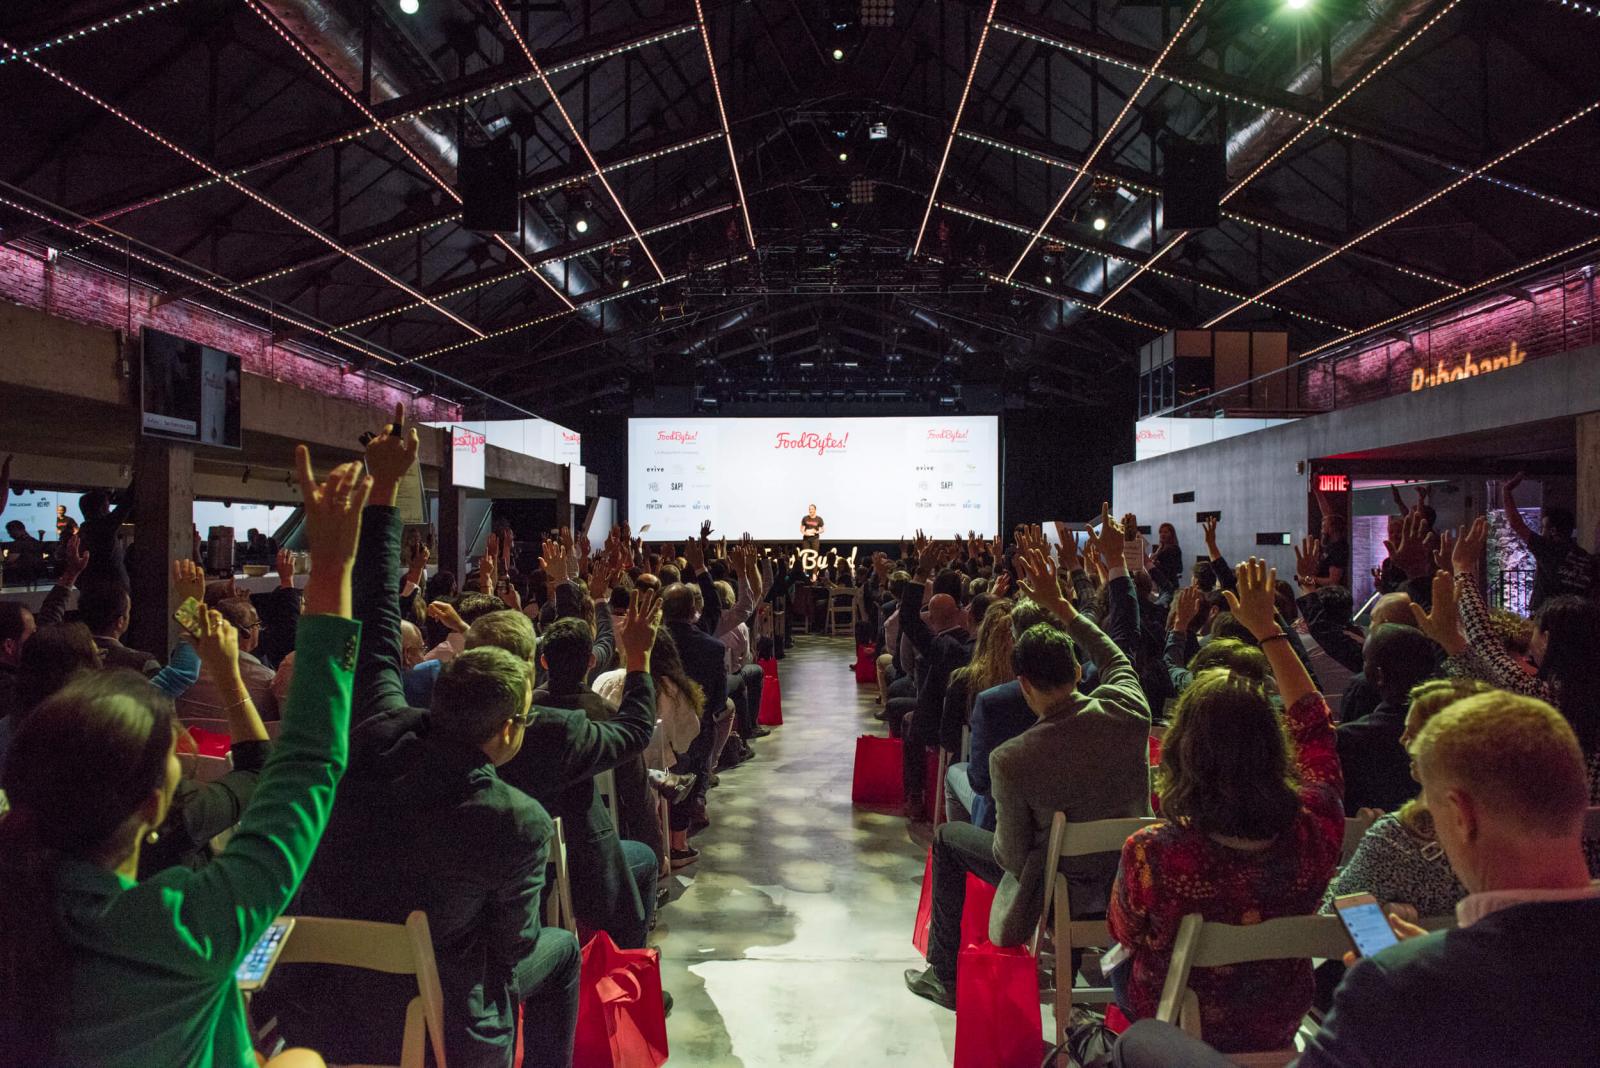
(945, 433)
(682, 437)
(811, 442)
(470, 441)
(571, 438)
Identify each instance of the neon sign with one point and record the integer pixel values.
(1422, 378)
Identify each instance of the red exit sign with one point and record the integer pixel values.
(1333, 483)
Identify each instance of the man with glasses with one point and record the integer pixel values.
(203, 700)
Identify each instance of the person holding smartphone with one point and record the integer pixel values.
(99, 968)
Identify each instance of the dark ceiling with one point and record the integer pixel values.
(296, 160)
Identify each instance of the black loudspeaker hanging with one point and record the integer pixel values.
(1193, 179)
(489, 200)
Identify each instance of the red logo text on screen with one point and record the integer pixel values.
(569, 436)
(681, 436)
(470, 441)
(820, 444)
(945, 433)
(1152, 435)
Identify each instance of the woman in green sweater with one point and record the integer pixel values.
(99, 970)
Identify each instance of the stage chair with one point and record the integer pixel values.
(1076, 840)
(393, 948)
(558, 902)
(1212, 945)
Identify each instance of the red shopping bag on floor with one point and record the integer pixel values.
(932, 786)
(879, 778)
(919, 935)
(210, 743)
(997, 1008)
(621, 1019)
(975, 911)
(771, 712)
(866, 666)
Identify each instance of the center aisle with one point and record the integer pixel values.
(787, 945)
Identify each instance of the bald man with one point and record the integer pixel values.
(944, 643)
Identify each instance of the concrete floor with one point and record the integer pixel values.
(785, 943)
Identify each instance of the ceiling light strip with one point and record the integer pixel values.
(944, 160)
(577, 138)
(1384, 224)
(722, 115)
(1040, 291)
(1094, 153)
(608, 298)
(91, 28)
(1503, 276)
(183, 153)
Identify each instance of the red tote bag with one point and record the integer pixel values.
(919, 935)
(879, 779)
(974, 913)
(866, 666)
(621, 1019)
(771, 712)
(997, 1008)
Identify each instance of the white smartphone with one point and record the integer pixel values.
(1365, 922)
(257, 964)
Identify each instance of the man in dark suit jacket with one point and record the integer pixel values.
(944, 644)
(423, 821)
(691, 614)
(1516, 981)
(1377, 769)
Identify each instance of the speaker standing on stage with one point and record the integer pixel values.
(811, 527)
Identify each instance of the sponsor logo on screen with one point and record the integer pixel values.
(946, 433)
(470, 441)
(923, 502)
(655, 469)
(682, 437)
(677, 486)
(924, 467)
(821, 444)
(654, 506)
(571, 438)
(946, 485)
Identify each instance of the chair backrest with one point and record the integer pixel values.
(396, 949)
(558, 904)
(1211, 945)
(1353, 831)
(606, 783)
(1079, 840)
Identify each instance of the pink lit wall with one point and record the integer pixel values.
(1562, 316)
(75, 291)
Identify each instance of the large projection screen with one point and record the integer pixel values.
(871, 479)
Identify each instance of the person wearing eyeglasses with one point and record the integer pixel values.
(205, 699)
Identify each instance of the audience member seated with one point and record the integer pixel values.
(1087, 756)
(679, 705)
(1377, 770)
(17, 625)
(207, 698)
(105, 609)
(691, 615)
(990, 667)
(944, 643)
(1246, 836)
(457, 618)
(97, 968)
(1514, 983)
(423, 821)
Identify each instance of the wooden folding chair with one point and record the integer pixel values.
(393, 948)
(843, 611)
(1076, 840)
(1212, 945)
(558, 902)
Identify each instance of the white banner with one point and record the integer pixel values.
(871, 479)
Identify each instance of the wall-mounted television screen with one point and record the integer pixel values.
(189, 391)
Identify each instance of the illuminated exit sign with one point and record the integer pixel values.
(1333, 483)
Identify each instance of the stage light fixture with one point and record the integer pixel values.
(581, 225)
(1101, 220)
(878, 131)
(838, 55)
(626, 282)
(844, 157)
(410, 7)
(1049, 281)
(833, 224)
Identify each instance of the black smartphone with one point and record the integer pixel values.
(1365, 922)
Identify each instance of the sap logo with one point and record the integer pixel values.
(946, 485)
(820, 444)
(677, 486)
(654, 506)
(655, 469)
(924, 467)
(944, 433)
(682, 437)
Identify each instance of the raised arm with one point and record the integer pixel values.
(1519, 526)
(600, 746)
(1253, 606)
(378, 685)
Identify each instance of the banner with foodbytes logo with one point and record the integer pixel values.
(871, 479)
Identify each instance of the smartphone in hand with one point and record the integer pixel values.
(188, 616)
(1365, 922)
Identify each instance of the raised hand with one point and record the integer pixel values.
(333, 526)
(285, 568)
(1208, 526)
(1443, 624)
(389, 456)
(1468, 550)
(1113, 539)
(445, 614)
(1002, 584)
(1254, 604)
(1306, 556)
(1511, 484)
(217, 642)
(1067, 549)
(636, 632)
(1037, 577)
(74, 561)
(694, 552)
(1186, 606)
(705, 531)
(1411, 553)
(188, 580)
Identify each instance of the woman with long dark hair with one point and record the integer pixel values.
(1253, 807)
(97, 968)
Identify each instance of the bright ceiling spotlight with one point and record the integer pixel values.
(582, 225)
(1296, 5)
(833, 224)
(410, 7)
(626, 283)
(1100, 221)
(838, 53)
(844, 157)
(1049, 281)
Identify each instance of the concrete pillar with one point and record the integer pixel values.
(163, 532)
(452, 518)
(1588, 503)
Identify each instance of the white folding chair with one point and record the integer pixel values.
(842, 611)
(1212, 945)
(1354, 829)
(1076, 840)
(558, 903)
(606, 783)
(393, 948)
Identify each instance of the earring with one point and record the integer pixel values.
(152, 837)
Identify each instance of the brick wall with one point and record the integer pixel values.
(1563, 315)
(73, 290)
